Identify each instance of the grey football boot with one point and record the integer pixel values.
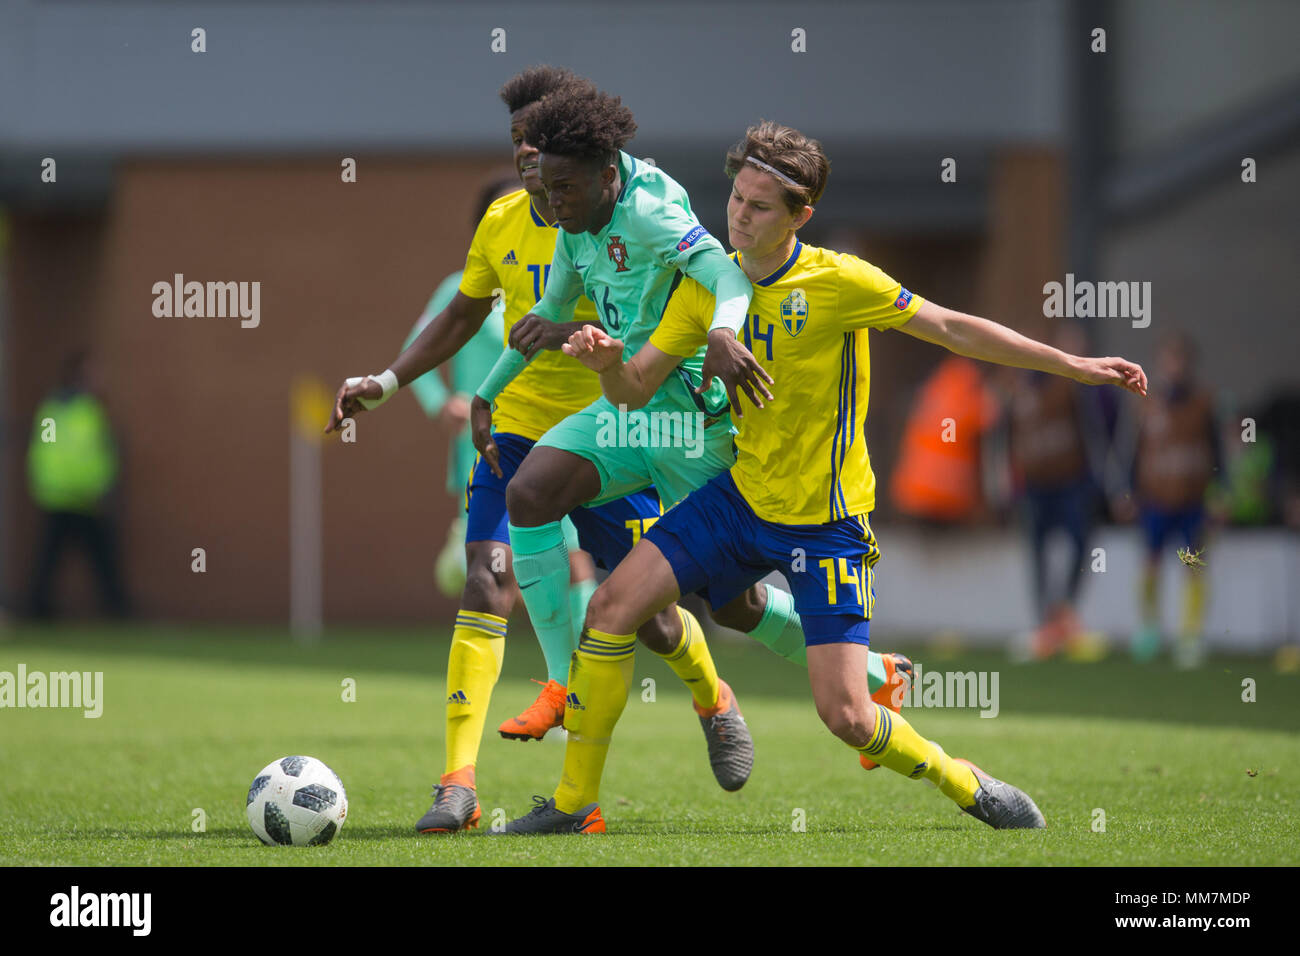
(731, 748)
(1002, 806)
(455, 807)
(545, 818)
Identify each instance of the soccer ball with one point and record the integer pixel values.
(296, 801)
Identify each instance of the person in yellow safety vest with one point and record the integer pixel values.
(72, 467)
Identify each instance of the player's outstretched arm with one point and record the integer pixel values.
(624, 383)
(978, 338)
(441, 339)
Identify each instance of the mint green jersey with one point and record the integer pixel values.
(631, 268)
(468, 366)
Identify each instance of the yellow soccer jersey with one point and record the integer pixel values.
(512, 251)
(802, 459)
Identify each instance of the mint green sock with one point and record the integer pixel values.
(780, 631)
(542, 570)
(579, 597)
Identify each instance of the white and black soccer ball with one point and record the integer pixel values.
(296, 801)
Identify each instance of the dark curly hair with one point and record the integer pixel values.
(585, 124)
(532, 84)
(788, 150)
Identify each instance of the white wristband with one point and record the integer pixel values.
(387, 380)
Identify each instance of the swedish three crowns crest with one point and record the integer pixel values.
(794, 312)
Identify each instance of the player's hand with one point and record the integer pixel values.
(1112, 371)
(480, 425)
(532, 334)
(346, 404)
(730, 361)
(594, 348)
(454, 414)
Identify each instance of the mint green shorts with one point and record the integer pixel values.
(660, 445)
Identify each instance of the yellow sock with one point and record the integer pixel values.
(692, 662)
(1150, 595)
(896, 745)
(600, 673)
(1194, 605)
(477, 648)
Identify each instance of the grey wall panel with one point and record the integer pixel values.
(348, 75)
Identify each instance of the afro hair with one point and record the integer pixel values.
(526, 88)
(584, 124)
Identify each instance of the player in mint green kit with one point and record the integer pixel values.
(628, 240)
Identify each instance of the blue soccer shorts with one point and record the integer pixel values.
(607, 532)
(1158, 525)
(717, 546)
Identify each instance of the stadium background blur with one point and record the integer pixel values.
(225, 166)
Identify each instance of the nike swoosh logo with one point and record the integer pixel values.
(576, 266)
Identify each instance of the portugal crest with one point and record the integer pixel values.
(794, 312)
(618, 253)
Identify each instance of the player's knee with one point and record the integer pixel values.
(487, 579)
(743, 612)
(532, 500)
(662, 633)
(521, 500)
(849, 723)
(601, 609)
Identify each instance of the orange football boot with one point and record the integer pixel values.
(545, 712)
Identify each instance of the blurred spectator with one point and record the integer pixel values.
(450, 408)
(1278, 428)
(1057, 451)
(1167, 454)
(72, 468)
(938, 476)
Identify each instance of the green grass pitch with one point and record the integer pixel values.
(1184, 770)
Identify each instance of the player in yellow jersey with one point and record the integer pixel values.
(798, 497)
(510, 256)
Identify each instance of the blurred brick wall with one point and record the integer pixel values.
(202, 405)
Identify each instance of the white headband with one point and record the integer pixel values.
(774, 171)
